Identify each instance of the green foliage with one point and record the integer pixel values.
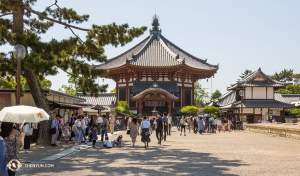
(284, 76)
(215, 95)
(211, 110)
(295, 111)
(200, 94)
(296, 78)
(123, 107)
(245, 73)
(113, 91)
(291, 89)
(10, 83)
(189, 110)
(70, 54)
(67, 90)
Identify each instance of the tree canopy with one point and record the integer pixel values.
(200, 94)
(189, 110)
(215, 95)
(290, 89)
(211, 110)
(71, 54)
(245, 73)
(284, 76)
(123, 107)
(9, 82)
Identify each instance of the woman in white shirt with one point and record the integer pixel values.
(78, 131)
(27, 132)
(145, 126)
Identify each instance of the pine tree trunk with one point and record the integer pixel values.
(41, 102)
(33, 83)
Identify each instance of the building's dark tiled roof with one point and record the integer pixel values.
(170, 86)
(287, 98)
(262, 104)
(157, 51)
(249, 81)
(226, 99)
(155, 89)
(103, 99)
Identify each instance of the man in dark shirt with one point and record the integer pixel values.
(159, 128)
(165, 124)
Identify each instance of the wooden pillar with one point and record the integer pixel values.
(140, 107)
(169, 106)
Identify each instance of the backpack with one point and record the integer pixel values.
(159, 125)
(211, 121)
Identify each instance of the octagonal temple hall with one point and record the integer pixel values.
(156, 74)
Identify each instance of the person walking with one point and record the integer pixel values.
(169, 123)
(145, 126)
(104, 128)
(229, 123)
(178, 123)
(118, 124)
(183, 125)
(233, 124)
(27, 132)
(219, 125)
(3, 168)
(78, 131)
(54, 124)
(83, 129)
(206, 124)
(151, 124)
(212, 124)
(94, 135)
(134, 130)
(159, 127)
(99, 122)
(13, 142)
(190, 124)
(165, 123)
(200, 125)
(111, 123)
(195, 125)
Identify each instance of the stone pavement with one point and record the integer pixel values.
(235, 153)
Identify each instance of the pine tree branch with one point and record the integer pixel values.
(6, 14)
(53, 20)
(75, 34)
(55, 4)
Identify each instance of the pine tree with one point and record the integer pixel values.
(69, 55)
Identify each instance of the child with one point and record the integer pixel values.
(66, 129)
(223, 128)
(119, 142)
(107, 143)
(94, 136)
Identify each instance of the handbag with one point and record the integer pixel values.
(53, 130)
(128, 132)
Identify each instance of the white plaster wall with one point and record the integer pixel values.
(259, 79)
(122, 85)
(270, 93)
(257, 111)
(248, 93)
(179, 84)
(144, 79)
(130, 84)
(188, 85)
(160, 79)
(247, 110)
(259, 93)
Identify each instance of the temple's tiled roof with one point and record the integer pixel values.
(103, 99)
(261, 104)
(155, 89)
(249, 81)
(170, 86)
(287, 98)
(156, 51)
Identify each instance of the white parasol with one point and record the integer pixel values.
(20, 114)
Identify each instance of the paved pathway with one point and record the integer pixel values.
(235, 153)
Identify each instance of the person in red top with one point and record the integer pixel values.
(111, 121)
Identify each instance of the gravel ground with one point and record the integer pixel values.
(235, 153)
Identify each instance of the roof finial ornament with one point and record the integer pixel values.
(155, 24)
(259, 69)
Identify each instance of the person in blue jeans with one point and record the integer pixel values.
(104, 128)
(3, 168)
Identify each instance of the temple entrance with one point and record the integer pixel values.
(148, 106)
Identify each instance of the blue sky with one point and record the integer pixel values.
(235, 34)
